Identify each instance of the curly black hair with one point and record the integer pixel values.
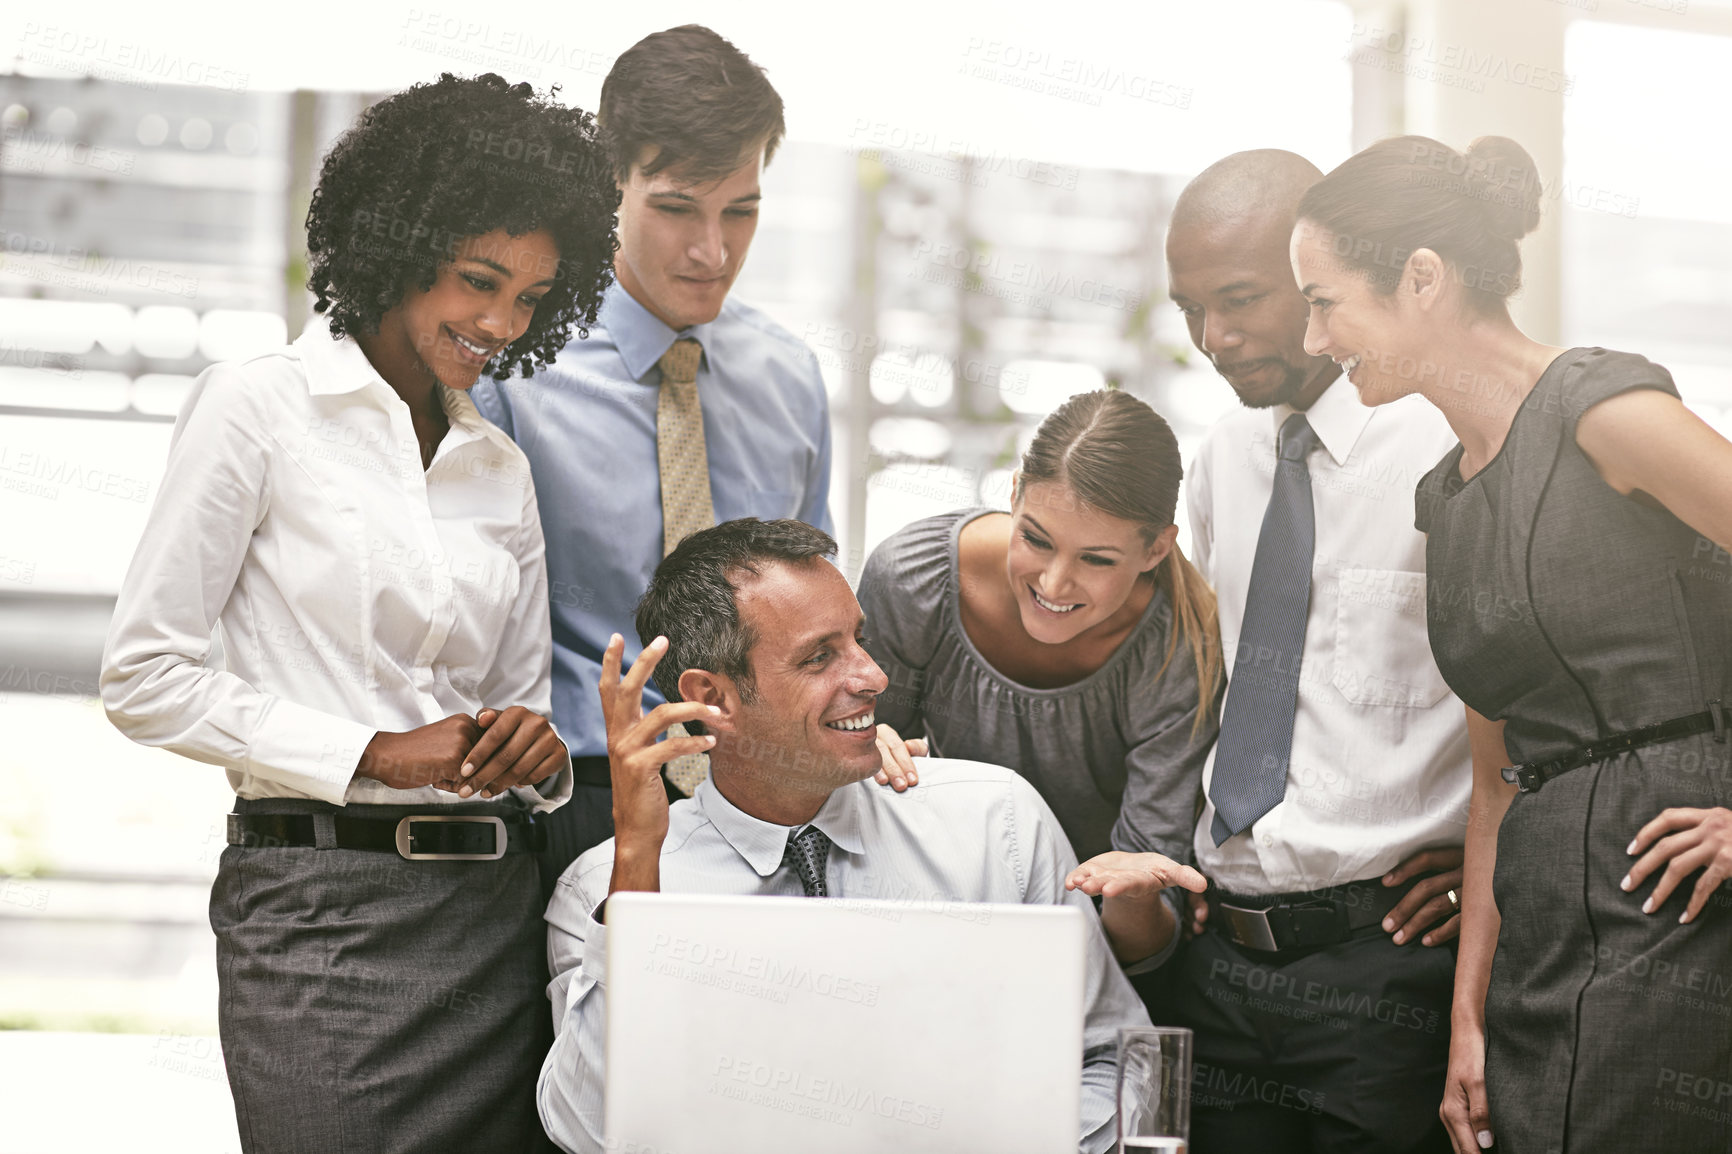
(436, 163)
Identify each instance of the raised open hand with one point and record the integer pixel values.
(635, 757)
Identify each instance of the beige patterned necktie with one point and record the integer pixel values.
(684, 465)
(680, 453)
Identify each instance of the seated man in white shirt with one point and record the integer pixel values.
(758, 640)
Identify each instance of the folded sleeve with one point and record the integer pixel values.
(1164, 766)
(1109, 1002)
(155, 685)
(569, 1093)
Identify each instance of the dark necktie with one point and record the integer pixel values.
(809, 853)
(1256, 740)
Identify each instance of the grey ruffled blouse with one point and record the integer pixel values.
(1114, 754)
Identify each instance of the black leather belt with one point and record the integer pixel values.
(1529, 776)
(1276, 922)
(417, 837)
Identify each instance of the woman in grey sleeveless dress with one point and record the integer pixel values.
(1576, 594)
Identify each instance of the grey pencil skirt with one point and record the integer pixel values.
(1608, 1029)
(370, 1003)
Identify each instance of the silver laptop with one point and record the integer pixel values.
(751, 1025)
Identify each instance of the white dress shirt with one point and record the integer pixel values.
(350, 590)
(969, 832)
(1380, 766)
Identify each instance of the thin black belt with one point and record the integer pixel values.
(417, 837)
(594, 771)
(1276, 922)
(1529, 776)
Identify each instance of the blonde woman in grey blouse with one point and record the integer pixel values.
(1067, 639)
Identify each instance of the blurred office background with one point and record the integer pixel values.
(965, 224)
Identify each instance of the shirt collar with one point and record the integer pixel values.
(1337, 417)
(641, 338)
(333, 366)
(337, 366)
(763, 843)
(840, 816)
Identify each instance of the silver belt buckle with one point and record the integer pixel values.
(403, 838)
(1250, 928)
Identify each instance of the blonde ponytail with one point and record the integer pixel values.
(1195, 620)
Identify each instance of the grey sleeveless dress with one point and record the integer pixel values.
(1572, 612)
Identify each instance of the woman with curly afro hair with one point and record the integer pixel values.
(369, 551)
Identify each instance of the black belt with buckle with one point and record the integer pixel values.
(1276, 922)
(417, 837)
(1529, 776)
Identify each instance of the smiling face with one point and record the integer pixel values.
(682, 244)
(481, 301)
(1072, 567)
(1233, 282)
(1370, 334)
(807, 727)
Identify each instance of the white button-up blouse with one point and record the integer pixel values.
(350, 591)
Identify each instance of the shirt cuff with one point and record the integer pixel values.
(310, 751)
(595, 947)
(552, 792)
(1175, 903)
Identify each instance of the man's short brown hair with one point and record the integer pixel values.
(694, 98)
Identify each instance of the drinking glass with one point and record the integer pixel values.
(1154, 1089)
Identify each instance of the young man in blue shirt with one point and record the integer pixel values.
(683, 406)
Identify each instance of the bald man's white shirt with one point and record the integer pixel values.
(1379, 768)
(969, 832)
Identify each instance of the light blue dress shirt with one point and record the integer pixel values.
(969, 832)
(587, 423)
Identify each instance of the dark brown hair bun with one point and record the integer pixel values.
(1412, 192)
(1511, 183)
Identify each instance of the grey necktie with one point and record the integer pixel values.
(808, 853)
(684, 465)
(1256, 740)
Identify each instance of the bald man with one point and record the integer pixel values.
(1318, 976)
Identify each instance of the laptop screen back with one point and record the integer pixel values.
(754, 1024)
